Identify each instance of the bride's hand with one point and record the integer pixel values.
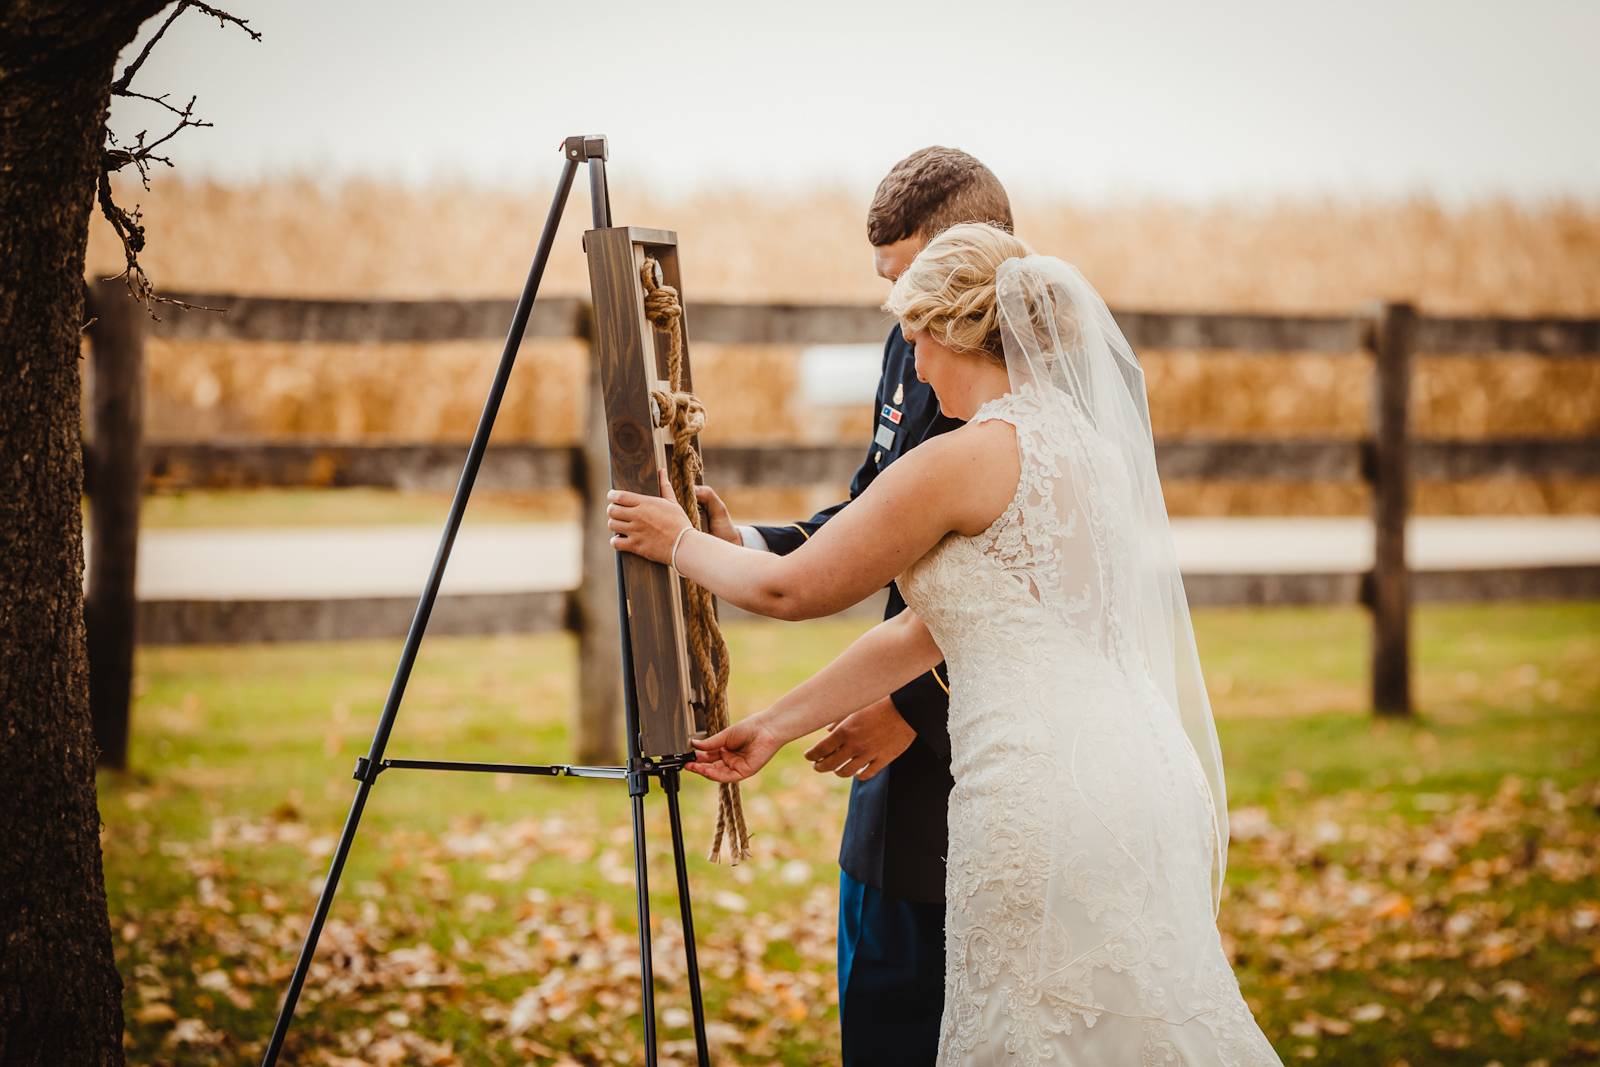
(647, 526)
(736, 753)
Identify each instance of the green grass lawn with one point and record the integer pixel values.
(1414, 892)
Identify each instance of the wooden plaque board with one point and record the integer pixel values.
(632, 357)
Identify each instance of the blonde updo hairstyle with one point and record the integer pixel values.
(949, 288)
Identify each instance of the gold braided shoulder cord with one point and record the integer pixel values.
(684, 416)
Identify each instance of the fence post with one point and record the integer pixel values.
(597, 733)
(1391, 491)
(116, 480)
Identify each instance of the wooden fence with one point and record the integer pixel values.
(120, 466)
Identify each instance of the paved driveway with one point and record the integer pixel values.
(361, 561)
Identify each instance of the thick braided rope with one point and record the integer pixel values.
(685, 416)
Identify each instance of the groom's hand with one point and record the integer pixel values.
(721, 522)
(862, 743)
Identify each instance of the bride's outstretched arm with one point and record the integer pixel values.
(958, 481)
(879, 662)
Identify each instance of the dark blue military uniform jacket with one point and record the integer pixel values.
(895, 836)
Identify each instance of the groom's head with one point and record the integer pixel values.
(925, 194)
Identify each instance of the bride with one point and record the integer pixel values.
(1088, 824)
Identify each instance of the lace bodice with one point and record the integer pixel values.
(1079, 923)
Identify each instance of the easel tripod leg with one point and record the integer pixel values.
(638, 786)
(646, 968)
(369, 768)
(324, 902)
(669, 784)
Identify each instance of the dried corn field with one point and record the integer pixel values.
(298, 238)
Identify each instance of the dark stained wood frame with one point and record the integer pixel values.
(632, 358)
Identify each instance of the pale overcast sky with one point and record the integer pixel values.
(1229, 98)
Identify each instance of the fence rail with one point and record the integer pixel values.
(120, 465)
(189, 465)
(263, 318)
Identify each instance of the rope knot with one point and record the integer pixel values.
(661, 305)
(684, 416)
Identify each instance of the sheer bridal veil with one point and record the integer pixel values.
(1062, 346)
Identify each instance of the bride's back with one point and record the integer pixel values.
(1051, 569)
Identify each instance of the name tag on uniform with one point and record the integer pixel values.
(885, 437)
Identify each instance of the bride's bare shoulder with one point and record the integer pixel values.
(972, 442)
(975, 467)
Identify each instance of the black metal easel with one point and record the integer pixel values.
(639, 769)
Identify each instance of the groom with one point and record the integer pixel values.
(897, 750)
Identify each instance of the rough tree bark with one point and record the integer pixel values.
(60, 996)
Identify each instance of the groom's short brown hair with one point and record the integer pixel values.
(931, 190)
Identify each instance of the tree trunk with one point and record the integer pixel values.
(60, 996)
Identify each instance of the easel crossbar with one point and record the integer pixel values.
(549, 770)
(365, 769)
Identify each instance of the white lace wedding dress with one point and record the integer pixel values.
(1083, 839)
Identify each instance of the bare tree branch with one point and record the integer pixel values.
(223, 18)
(120, 86)
(141, 154)
(126, 78)
(162, 100)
